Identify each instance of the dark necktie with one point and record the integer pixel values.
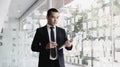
(52, 50)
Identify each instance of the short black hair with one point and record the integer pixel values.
(51, 10)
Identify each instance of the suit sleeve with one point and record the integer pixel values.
(36, 42)
(65, 35)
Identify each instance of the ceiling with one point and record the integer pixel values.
(22, 8)
(18, 7)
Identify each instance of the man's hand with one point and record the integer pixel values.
(68, 43)
(51, 45)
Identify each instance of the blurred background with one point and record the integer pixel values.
(93, 25)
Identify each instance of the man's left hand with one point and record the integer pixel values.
(68, 43)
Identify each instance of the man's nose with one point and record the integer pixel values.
(55, 19)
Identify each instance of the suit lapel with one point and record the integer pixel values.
(58, 36)
(56, 33)
(46, 33)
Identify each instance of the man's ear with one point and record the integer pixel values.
(47, 17)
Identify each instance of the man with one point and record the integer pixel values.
(44, 44)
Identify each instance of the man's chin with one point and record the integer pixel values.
(53, 24)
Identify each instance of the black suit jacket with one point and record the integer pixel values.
(40, 41)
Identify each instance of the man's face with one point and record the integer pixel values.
(53, 18)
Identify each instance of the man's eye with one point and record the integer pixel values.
(52, 17)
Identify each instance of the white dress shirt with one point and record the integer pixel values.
(54, 30)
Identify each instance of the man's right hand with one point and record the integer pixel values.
(51, 45)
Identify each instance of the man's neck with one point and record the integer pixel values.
(50, 25)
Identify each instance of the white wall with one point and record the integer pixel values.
(4, 5)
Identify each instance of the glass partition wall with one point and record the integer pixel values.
(92, 24)
(94, 27)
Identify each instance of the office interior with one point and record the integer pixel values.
(94, 26)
